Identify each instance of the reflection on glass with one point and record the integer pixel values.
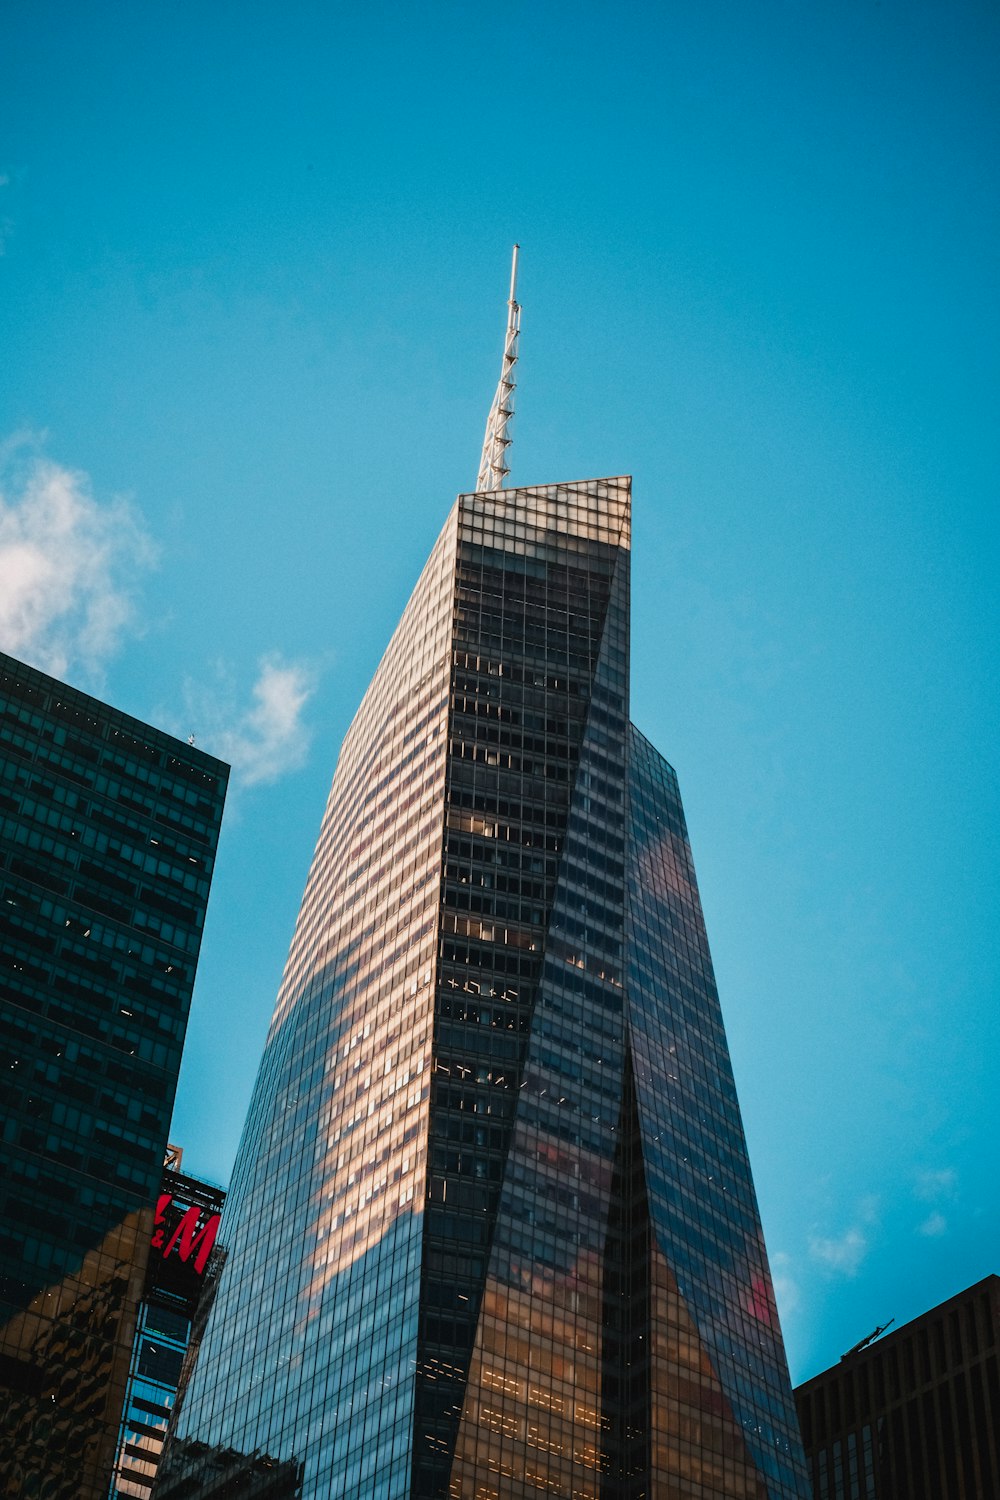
(108, 831)
(181, 1276)
(492, 1232)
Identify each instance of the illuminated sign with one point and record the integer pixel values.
(178, 1229)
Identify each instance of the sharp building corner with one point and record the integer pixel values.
(492, 1230)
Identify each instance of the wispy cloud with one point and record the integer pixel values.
(786, 1288)
(934, 1225)
(841, 1256)
(937, 1187)
(932, 1185)
(67, 561)
(265, 740)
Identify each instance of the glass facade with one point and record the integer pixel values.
(108, 832)
(722, 1415)
(181, 1275)
(489, 1235)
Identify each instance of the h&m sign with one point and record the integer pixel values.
(181, 1231)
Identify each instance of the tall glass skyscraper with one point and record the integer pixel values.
(492, 1232)
(108, 834)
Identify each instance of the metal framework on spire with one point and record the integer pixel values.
(493, 466)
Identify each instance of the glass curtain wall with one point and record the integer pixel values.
(492, 1232)
(310, 1355)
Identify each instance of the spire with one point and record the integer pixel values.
(493, 466)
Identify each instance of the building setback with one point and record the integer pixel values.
(915, 1416)
(492, 1231)
(108, 832)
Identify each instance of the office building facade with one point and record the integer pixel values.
(185, 1259)
(108, 832)
(915, 1416)
(492, 1231)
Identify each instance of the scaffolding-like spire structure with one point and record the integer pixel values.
(493, 466)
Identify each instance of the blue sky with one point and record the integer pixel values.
(251, 294)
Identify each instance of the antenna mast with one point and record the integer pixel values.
(493, 466)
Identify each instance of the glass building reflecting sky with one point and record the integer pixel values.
(492, 1231)
(108, 833)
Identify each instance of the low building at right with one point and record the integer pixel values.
(915, 1416)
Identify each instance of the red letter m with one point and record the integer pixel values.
(187, 1236)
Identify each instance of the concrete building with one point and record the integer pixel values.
(915, 1416)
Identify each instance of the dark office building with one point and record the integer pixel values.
(184, 1263)
(492, 1231)
(915, 1416)
(108, 831)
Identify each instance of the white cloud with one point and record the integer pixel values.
(67, 562)
(265, 741)
(841, 1256)
(786, 1288)
(933, 1185)
(934, 1225)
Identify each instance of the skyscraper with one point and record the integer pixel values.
(492, 1231)
(108, 831)
(181, 1275)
